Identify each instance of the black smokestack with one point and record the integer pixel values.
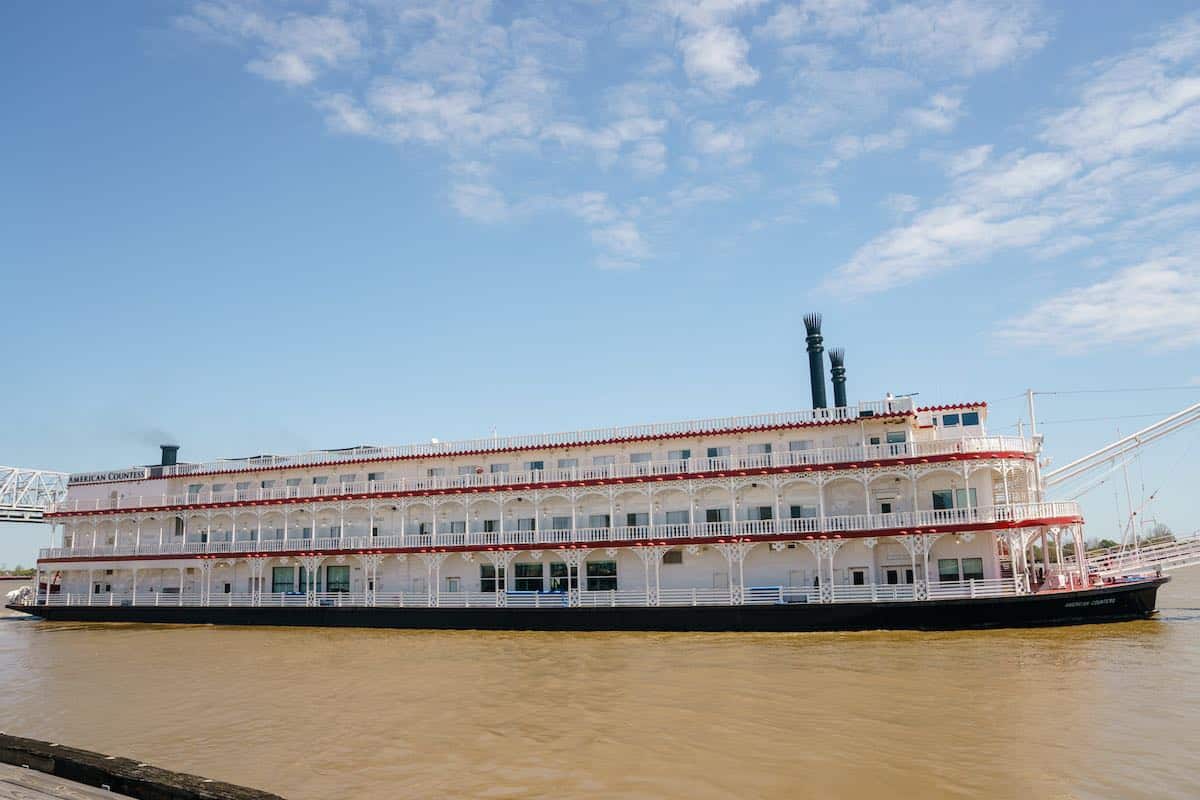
(837, 362)
(816, 359)
(170, 454)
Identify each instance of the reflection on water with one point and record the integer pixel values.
(1088, 712)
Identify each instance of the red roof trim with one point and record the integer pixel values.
(953, 406)
(618, 440)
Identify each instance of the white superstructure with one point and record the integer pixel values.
(878, 501)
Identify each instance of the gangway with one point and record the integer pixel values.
(25, 494)
(1155, 557)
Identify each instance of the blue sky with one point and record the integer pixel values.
(252, 227)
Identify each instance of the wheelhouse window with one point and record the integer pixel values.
(220, 488)
(345, 479)
(243, 486)
(435, 472)
(337, 578)
(800, 444)
(267, 484)
(601, 576)
(293, 481)
(529, 577)
(468, 469)
(950, 420)
(320, 480)
(896, 437)
(970, 418)
(194, 489)
(375, 476)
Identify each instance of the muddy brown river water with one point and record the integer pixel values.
(1109, 711)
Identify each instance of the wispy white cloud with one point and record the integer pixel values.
(1154, 302)
(1091, 189)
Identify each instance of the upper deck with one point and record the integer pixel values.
(837, 438)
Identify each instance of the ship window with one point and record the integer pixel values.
(804, 512)
(972, 569)
(601, 576)
(453, 584)
(718, 452)
(639, 458)
(874, 440)
(498, 468)
(487, 577)
(716, 515)
(802, 444)
(529, 577)
(960, 498)
(243, 486)
(337, 578)
(949, 420)
(435, 472)
(673, 557)
(943, 499)
(469, 469)
(491, 525)
(456, 526)
(375, 476)
(677, 517)
(228, 588)
(219, 487)
(194, 489)
(527, 524)
(568, 463)
(763, 513)
(344, 479)
(598, 521)
(560, 523)
(759, 449)
(970, 418)
(535, 466)
(637, 518)
(679, 455)
(895, 437)
(320, 480)
(293, 481)
(559, 582)
(603, 461)
(283, 579)
(947, 569)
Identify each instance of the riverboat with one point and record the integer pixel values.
(878, 514)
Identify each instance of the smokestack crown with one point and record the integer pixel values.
(812, 323)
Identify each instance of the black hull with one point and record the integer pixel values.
(1115, 603)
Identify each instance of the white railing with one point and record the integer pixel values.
(899, 405)
(696, 596)
(807, 526)
(739, 461)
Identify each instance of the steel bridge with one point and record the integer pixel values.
(26, 493)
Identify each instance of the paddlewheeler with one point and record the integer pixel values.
(880, 514)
